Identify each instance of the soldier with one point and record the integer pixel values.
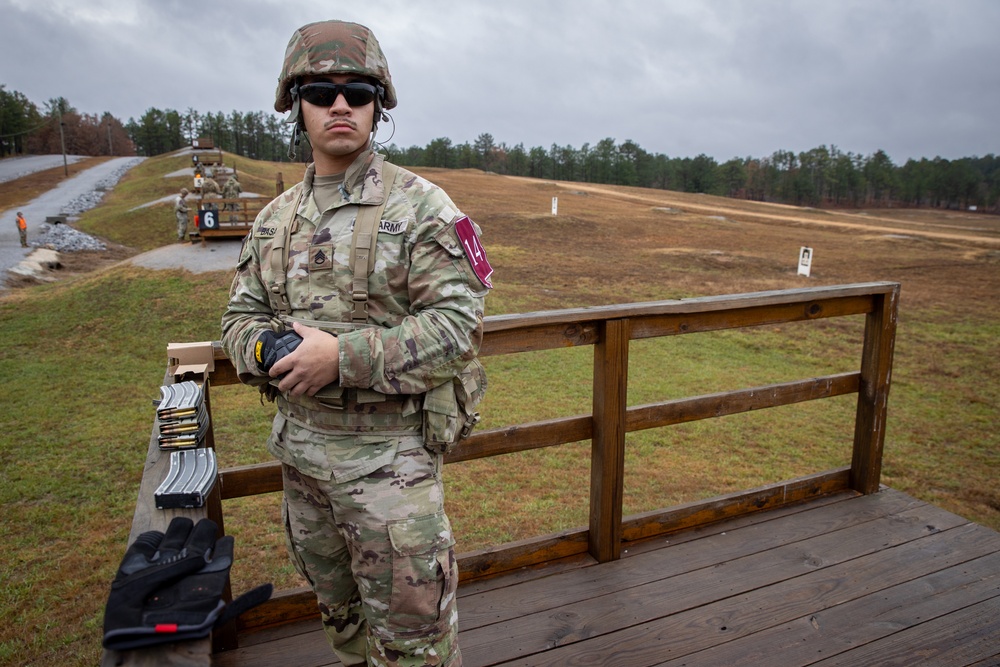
(209, 186)
(355, 347)
(232, 190)
(181, 213)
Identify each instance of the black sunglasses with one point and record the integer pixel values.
(325, 94)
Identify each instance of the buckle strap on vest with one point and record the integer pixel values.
(276, 292)
(363, 246)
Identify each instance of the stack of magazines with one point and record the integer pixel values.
(182, 417)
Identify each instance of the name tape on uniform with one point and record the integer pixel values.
(474, 250)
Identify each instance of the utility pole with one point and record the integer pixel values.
(111, 151)
(62, 140)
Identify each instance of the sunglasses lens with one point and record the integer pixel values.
(358, 94)
(325, 94)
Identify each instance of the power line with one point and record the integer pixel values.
(17, 134)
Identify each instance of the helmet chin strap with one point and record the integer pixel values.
(385, 118)
(294, 117)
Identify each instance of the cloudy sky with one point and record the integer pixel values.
(728, 78)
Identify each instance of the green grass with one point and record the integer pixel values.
(83, 359)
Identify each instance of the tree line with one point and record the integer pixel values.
(58, 128)
(820, 177)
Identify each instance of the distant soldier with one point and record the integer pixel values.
(209, 186)
(22, 230)
(232, 190)
(181, 213)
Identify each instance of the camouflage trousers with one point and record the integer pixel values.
(182, 224)
(378, 552)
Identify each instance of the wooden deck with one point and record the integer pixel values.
(881, 579)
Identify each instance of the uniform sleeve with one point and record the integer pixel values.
(247, 315)
(444, 327)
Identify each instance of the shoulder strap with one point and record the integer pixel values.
(276, 292)
(363, 246)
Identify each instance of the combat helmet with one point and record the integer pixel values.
(332, 47)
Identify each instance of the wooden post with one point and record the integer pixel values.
(873, 392)
(607, 458)
(223, 638)
(279, 185)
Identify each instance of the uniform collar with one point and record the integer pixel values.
(362, 181)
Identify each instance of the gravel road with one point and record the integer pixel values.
(70, 198)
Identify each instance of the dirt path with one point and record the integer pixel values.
(772, 216)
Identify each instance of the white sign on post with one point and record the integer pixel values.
(805, 261)
(555, 205)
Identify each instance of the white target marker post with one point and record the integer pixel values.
(805, 261)
(555, 205)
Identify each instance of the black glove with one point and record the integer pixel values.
(271, 347)
(169, 587)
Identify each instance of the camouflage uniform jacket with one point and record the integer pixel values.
(425, 302)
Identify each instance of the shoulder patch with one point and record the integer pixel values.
(474, 250)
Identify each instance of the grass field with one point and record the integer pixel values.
(84, 356)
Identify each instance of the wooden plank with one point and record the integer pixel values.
(701, 530)
(678, 636)
(295, 604)
(634, 548)
(607, 457)
(522, 438)
(250, 480)
(680, 411)
(580, 316)
(835, 631)
(660, 522)
(969, 636)
(301, 650)
(532, 634)
(538, 337)
(651, 326)
(642, 569)
(873, 394)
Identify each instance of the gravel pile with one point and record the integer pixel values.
(64, 238)
(93, 198)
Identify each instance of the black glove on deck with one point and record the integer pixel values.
(271, 347)
(169, 587)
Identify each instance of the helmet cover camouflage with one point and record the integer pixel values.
(333, 47)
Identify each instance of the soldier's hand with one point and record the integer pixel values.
(314, 364)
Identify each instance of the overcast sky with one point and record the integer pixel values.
(916, 78)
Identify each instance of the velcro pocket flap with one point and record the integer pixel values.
(421, 535)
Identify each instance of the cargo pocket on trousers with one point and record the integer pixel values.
(423, 587)
(293, 553)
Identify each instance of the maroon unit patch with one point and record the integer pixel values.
(474, 250)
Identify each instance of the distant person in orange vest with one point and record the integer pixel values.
(22, 230)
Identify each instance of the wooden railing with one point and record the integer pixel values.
(609, 330)
(233, 217)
